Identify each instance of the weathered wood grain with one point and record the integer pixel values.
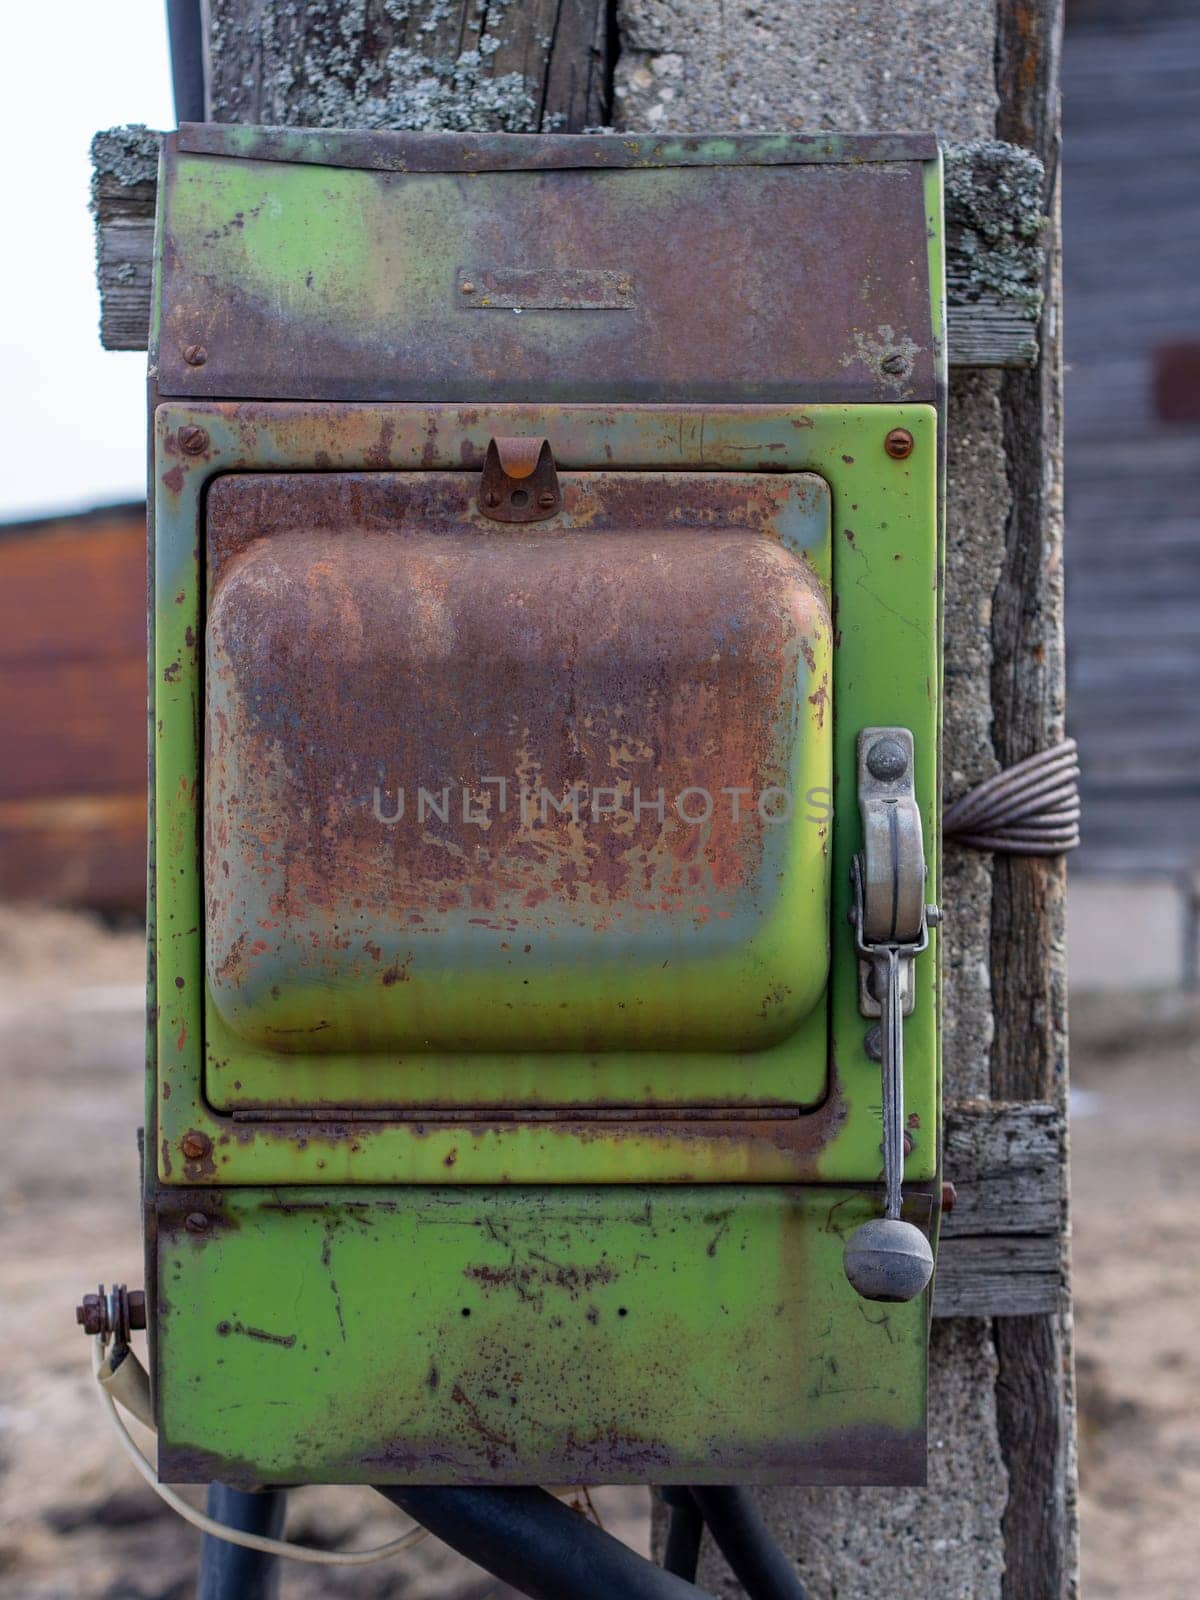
(1000, 1253)
(1034, 1398)
(1005, 1162)
(1002, 1278)
(124, 190)
(986, 328)
(543, 65)
(988, 332)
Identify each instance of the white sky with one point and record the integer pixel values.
(72, 416)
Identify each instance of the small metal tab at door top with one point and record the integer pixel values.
(519, 482)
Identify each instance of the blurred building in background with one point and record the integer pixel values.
(1131, 238)
(73, 710)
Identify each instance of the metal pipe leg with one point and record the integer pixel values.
(228, 1572)
(685, 1528)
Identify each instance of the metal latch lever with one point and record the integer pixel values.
(888, 1258)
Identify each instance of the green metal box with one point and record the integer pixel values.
(537, 523)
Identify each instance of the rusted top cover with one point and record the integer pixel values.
(305, 264)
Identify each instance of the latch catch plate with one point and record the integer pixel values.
(519, 482)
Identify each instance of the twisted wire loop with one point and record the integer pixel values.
(1030, 809)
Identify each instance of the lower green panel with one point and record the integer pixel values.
(700, 1334)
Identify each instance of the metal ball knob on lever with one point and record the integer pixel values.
(887, 1259)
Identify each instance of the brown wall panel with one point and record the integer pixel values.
(72, 710)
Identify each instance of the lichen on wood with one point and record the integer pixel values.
(124, 168)
(449, 65)
(995, 223)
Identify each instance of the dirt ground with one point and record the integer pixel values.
(77, 1523)
(1135, 1153)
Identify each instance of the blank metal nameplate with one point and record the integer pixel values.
(546, 289)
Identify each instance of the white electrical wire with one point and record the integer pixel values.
(218, 1530)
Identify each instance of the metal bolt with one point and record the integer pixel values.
(468, 287)
(193, 441)
(873, 1043)
(898, 444)
(118, 1312)
(949, 1196)
(894, 364)
(196, 1222)
(546, 499)
(887, 760)
(195, 355)
(195, 1146)
(492, 498)
(92, 1314)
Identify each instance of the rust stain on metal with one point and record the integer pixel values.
(286, 1340)
(751, 240)
(360, 804)
(529, 1279)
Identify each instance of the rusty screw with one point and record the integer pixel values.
(193, 441)
(195, 355)
(468, 287)
(898, 444)
(949, 1196)
(894, 364)
(195, 1145)
(546, 499)
(196, 1222)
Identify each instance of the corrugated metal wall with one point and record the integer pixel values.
(1131, 201)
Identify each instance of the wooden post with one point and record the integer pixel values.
(1034, 1388)
(535, 67)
